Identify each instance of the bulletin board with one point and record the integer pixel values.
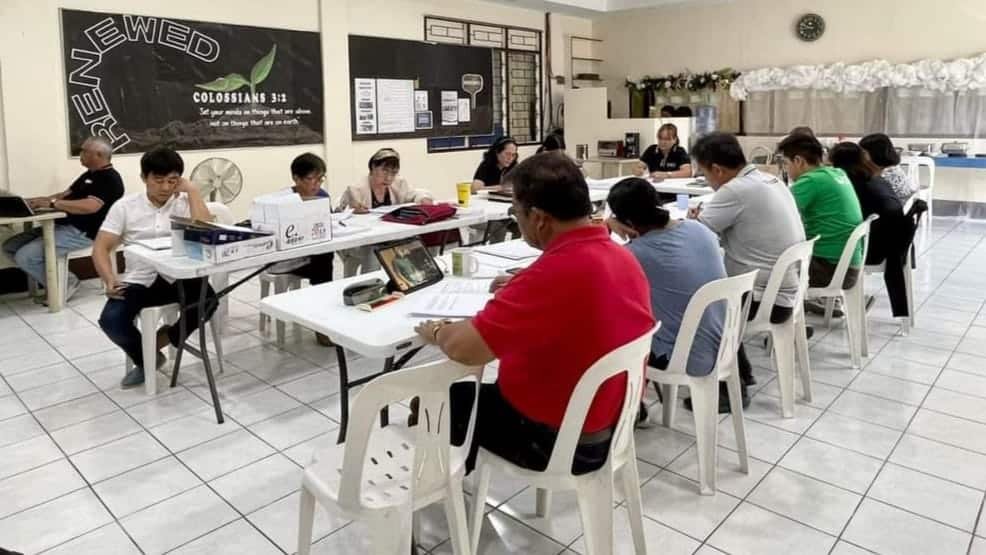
(405, 89)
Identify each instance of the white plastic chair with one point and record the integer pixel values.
(282, 284)
(913, 165)
(383, 475)
(906, 322)
(61, 266)
(594, 489)
(788, 340)
(853, 302)
(149, 321)
(705, 389)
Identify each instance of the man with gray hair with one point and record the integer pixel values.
(86, 202)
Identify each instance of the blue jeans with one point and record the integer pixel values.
(28, 249)
(117, 318)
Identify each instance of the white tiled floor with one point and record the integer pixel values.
(890, 459)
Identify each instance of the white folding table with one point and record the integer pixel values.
(184, 268)
(387, 332)
(47, 221)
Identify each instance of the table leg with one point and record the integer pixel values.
(343, 393)
(51, 267)
(204, 349)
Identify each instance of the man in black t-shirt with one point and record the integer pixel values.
(86, 202)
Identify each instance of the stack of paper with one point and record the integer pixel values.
(455, 298)
(513, 250)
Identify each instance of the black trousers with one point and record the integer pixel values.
(318, 270)
(117, 319)
(778, 315)
(893, 278)
(502, 430)
(821, 271)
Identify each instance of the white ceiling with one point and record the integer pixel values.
(589, 7)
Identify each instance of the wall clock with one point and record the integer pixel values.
(810, 27)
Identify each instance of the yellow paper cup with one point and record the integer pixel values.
(464, 191)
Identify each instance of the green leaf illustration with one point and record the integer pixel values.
(261, 69)
(229, 83)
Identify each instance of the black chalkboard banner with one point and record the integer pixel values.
(143, 81)
(441, 76)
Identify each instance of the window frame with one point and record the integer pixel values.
(504, 52)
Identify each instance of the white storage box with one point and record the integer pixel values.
(228, 252)
(294, 222)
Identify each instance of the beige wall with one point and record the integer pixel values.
(748, 34)
(34, 106)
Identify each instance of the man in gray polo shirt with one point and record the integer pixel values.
(756, 219)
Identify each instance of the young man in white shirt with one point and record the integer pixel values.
(139, 216)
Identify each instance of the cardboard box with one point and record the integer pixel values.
(294, 223)
(228, 252)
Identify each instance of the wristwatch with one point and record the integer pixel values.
(438, 326)
(51, 203)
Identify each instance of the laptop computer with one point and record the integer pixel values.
(16, 207)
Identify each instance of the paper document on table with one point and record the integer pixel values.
(600, 184)
(514, 250)
(466, 286)
(441, 305)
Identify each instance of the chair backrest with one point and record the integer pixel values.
(798, 255)
(629, 359)
(913, 165)
(861, 233)
(221, 212)
(432, 448)
(729, 290)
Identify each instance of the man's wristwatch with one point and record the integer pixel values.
(439, 325)
(51, 203)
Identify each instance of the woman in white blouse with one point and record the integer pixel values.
(884, 155)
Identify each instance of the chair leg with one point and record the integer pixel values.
(630, 478)
(595, 497)
(280, 286)
(909, 289)
(739, 425)
(264, 292)
(306, 521)
(542, 503)
(455, 513)
(829, 308)
(478, 506)
(864, 338)
(783, 356)
(801, 348)
(390, 532)
(148, 348)
(668, 404)
(852, 326)
(705, 410)
(61, 268)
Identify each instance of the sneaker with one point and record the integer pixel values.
(135, 376)
(643, 418)
(818, 307)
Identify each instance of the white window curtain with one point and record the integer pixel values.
(901, 112)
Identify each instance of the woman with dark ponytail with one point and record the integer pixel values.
(678, 257)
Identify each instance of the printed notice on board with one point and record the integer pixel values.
(464, 106)
(450, 108)
(366, 106)
(420, 101)
(395, 101)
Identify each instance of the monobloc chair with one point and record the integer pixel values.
(594, 489)
(852, 299)
(788, 340)
(383, 475)
(916, 211)
(705, 389)
(282, 284)
(913, 165)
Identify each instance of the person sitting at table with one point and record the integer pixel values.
(147, 215)
(666, 159)
(581, 299)
(756, 219)
(678, 258)
(500, 158)
(382, 186)
(829, 209)
(86, 202)
(890, 235)
(554, 141)
(308, 175)
(882, 153)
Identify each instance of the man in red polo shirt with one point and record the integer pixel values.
(584, 297)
